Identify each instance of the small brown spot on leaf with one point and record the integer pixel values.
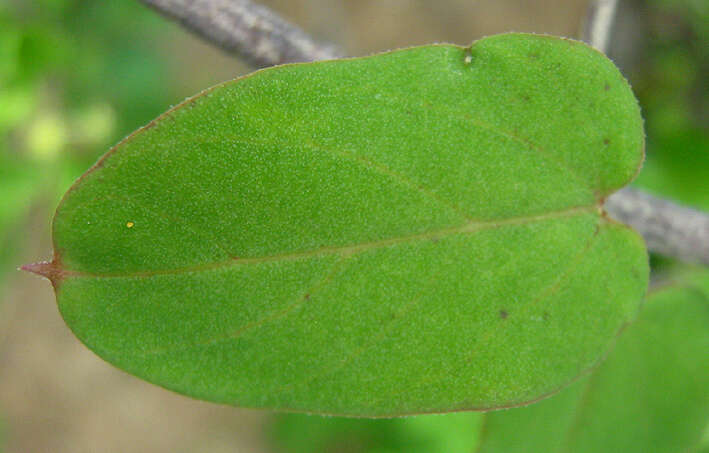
(534, 55)
(546, 316)
(504, 314)
(307, 296)
(606, 86)
(606, 141)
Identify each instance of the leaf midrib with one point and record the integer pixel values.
(348, 250)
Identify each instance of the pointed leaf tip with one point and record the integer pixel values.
(46, 269)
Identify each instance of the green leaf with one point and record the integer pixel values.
(650, 396)
(417, 231)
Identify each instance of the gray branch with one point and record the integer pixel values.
(599, 23)
(249, 30)
(263, 38)
(668, 228)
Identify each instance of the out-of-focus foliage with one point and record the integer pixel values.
(450, 433)
(72, 82)
(672, 84)
(18, 184)
(688, 13)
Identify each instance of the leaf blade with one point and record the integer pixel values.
(308, 221)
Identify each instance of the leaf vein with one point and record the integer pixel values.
(236, 334)
(467, 228)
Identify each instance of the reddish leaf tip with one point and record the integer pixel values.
(46, 269)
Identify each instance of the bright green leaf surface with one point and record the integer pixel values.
(417, 231)
(650, 396)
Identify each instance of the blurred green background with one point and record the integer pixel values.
(77, 75)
